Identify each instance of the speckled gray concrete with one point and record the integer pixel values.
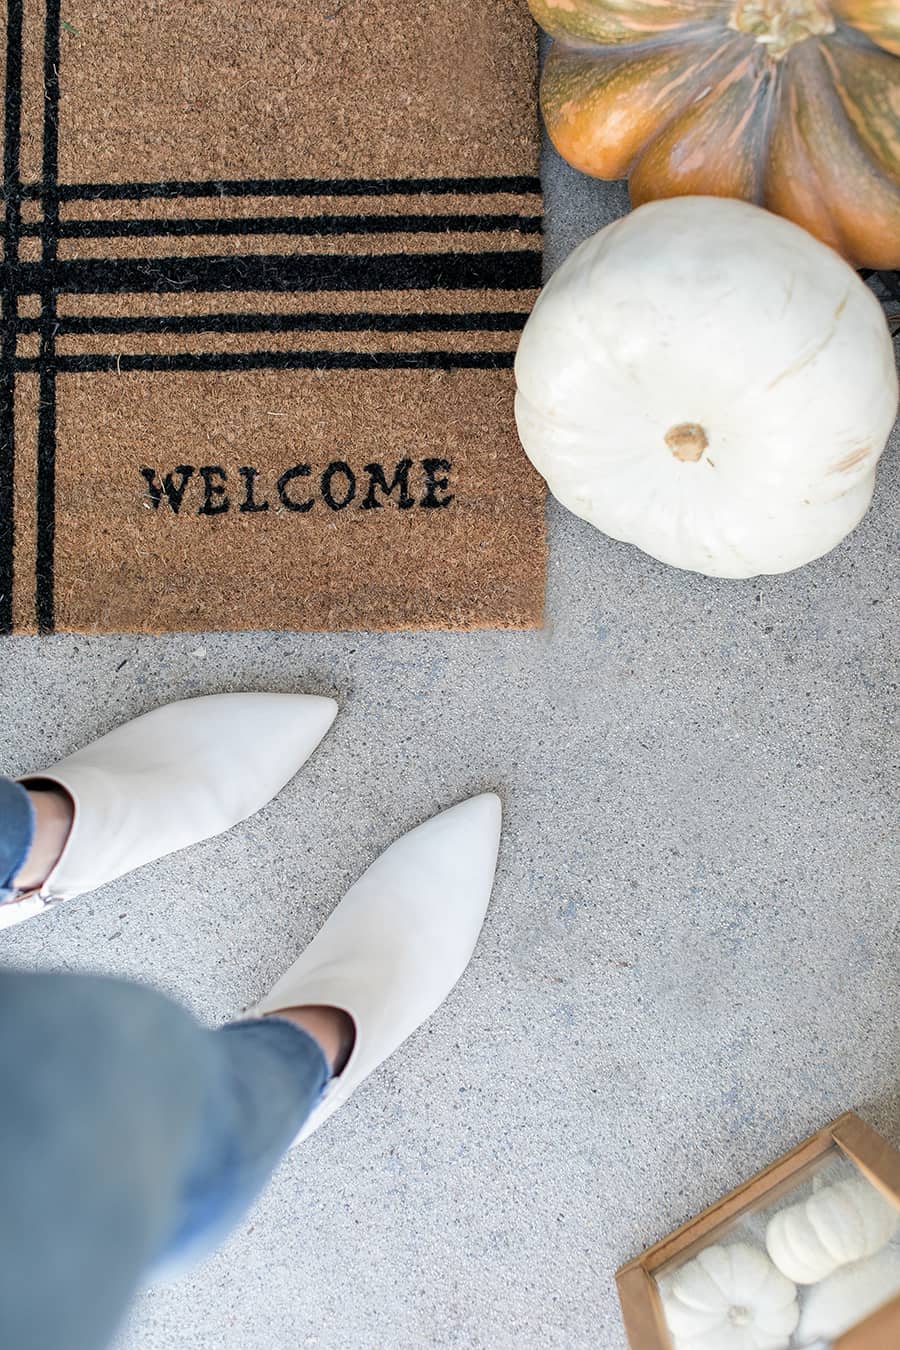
(688, 964)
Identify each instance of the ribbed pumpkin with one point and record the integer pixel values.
(792, 104)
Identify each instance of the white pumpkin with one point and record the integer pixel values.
(729, 1298)
(849, 1295)
(707, 381)
(836, 1225)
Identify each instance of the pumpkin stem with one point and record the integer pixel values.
(687, 441)
(740, 1317)
(779, 24)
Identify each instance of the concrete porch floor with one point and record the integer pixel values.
(690, 960)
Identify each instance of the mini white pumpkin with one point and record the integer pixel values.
(729, 1298)
(707, 381)
(849, 1295)
(837, 1224)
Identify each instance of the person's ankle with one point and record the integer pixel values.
(331, 1028)
(54, 813)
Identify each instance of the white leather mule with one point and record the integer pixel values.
(169, 779)
(399, 940)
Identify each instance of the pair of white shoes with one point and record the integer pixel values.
(396, 944)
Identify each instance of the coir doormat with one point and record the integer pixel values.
(264, 271)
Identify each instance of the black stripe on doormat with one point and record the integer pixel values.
(297, 225)
(46, 441)
(293, 187)
(229, 361)
(487, 321)
(518, 269)
(11, 143)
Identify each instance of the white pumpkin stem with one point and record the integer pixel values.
(687, 441)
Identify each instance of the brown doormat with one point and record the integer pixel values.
(265, 267)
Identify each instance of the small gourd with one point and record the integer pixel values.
(729, 1298)
(836, 1225)
(849, 1295)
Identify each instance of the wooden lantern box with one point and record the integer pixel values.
(847, 1152)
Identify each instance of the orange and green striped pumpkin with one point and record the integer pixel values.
(792, 104)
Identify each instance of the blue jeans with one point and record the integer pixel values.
(16, 832)
(131, 1138)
